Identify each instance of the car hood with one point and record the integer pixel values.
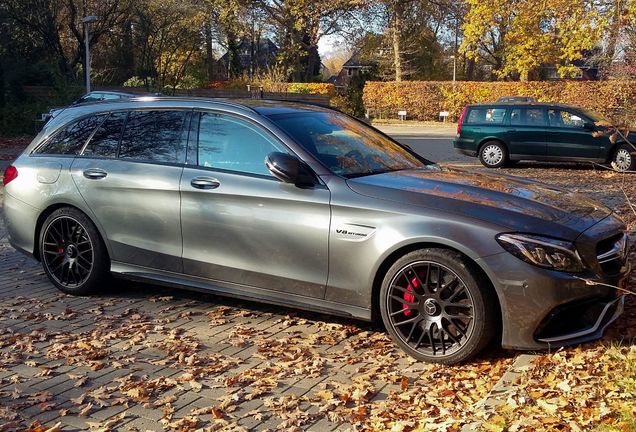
(511, 202)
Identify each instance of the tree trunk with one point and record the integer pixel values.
(612, 40)
(209, 56)
(396, 26)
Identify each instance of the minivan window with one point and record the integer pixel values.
(71, 139)
(562, 118)
(105, 141)
(156, 136)
(527, 117)
(231, 144)
(485, 115)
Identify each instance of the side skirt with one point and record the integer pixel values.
(243, 292)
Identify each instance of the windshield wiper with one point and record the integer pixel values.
(374, 172)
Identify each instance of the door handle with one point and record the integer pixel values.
(511, 130)
(95, 173)
(205, 183)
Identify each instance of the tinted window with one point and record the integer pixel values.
(105, 141)
(562, 118)
(157, 136)
(231, 144)
(71, 139)
(486, 115)
(347, 147)
(527, 117)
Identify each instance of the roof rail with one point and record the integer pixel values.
(222, 101)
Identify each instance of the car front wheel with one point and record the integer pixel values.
(624, 158)
(436, 308)
(493, 154)
(72, 252)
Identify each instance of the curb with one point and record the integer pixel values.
(499, 392)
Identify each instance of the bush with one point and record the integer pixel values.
(423, 100)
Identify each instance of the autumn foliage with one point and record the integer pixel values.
(423, 100)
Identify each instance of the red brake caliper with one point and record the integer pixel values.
(409, 297)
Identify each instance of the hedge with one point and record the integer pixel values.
(423, 100)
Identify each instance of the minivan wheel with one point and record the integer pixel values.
(73, 254)
(625, 158)
(493, 154)
(436, 308)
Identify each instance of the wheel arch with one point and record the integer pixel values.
(486, 140)
(47, 212)
(390, 259)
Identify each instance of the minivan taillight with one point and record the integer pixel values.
(461, 120)
(11, 173)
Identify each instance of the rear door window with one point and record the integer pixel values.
(155, 136)
(486, 115)
(527, 117)
(71, 139)
(105, 141)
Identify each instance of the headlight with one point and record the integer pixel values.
(543, 252)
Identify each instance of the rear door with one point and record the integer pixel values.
(526, 134)
(129, 175)
(240, 224)
(568, 138)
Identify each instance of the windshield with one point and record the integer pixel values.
(347, 147)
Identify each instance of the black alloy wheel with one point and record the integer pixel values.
(435, 308)
(72, 253)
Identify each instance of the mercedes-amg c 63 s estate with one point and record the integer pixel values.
(307, 207)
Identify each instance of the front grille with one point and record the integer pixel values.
(611, 253)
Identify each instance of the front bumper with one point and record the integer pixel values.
(543, 309)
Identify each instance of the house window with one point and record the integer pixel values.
(349, 72)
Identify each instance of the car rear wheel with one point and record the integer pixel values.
(493, 154)
(73, 254)
(436, 308)
(624, 158)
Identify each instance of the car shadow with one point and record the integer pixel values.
(122, 288)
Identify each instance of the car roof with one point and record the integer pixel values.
(530, 104)
(265, 107)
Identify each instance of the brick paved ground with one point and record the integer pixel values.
(141, 357)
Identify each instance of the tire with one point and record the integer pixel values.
(493, 154)
(445, 323)
(73, 254)
(624, 158)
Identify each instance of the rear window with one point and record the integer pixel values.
(105, 141)
(71, 139)
(155, 136)
(485, 115)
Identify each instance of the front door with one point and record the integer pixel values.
(569, 138)
(133, 188)
(240, 224)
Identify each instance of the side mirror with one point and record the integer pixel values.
(290, 169)
(589, 126)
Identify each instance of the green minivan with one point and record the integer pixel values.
(501, 134)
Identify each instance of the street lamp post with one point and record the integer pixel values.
(87, 60)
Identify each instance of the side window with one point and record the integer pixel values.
(158, 136)
(561, 118)
(527, 117)
(110, 96)
(105, 141)
(486, 115)
(71, 139)
(232, 144)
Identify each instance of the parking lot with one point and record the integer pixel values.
(142, 357)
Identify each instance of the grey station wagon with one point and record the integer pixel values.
(306, 207)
